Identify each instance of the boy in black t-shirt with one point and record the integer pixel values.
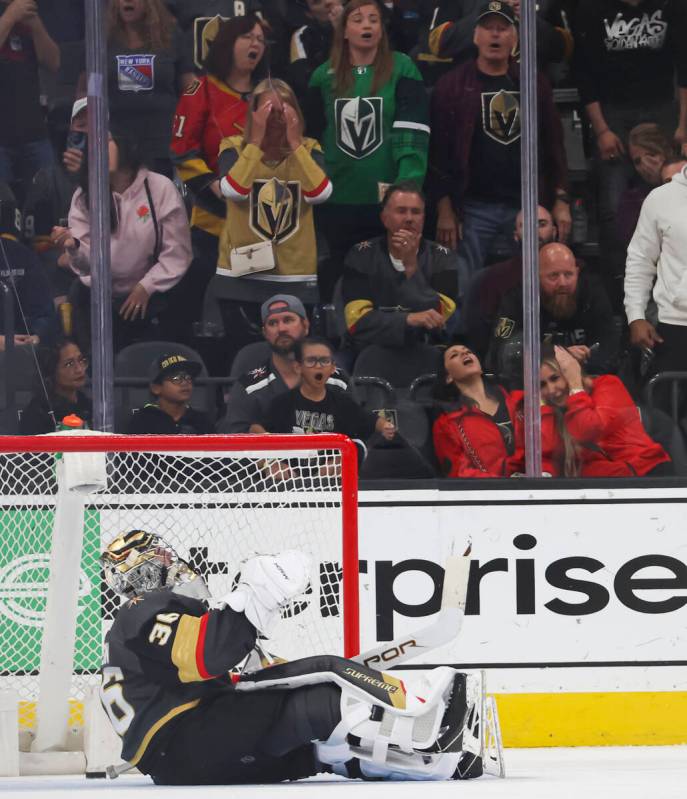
(171, 383)
(313, 407)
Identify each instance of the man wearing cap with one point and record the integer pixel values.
(475, 171)
(171, 383)
(48, 199)
(450, 34)
(284, 322)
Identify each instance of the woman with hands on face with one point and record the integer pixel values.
(272, 176)
(591, 426)
(150, 246)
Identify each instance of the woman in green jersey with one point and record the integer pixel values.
(367, 106)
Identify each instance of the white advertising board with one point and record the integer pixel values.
(580, 584)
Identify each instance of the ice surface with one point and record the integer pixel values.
(584, 773)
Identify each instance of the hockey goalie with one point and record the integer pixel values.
(186, 687)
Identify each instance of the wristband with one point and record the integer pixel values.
(574, 391)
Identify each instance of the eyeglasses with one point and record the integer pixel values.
(312, 360)
(179, 378)
(252, 37)
(73, 362)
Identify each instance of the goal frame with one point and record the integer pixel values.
(86, 442)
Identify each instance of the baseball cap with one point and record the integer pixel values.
(281, 303)
(497, 7)
(79, 106)
(167, 365)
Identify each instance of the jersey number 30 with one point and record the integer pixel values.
(119, 711)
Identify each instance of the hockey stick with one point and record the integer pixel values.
(445, 628)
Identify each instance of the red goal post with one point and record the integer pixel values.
(217, 499)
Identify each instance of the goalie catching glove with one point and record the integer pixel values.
(268, 583)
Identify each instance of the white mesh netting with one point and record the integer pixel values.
(216, 509)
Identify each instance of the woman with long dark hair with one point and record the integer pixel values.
(147, 71)
(150, 247)
(591, 426)
(213, 108)
(474, 432)
(367, 106)
(62, 375)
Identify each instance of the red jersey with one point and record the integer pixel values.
(207, 112)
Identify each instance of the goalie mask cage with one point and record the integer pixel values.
(217, 500)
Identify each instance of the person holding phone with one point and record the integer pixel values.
(150, 248)
(48, 198)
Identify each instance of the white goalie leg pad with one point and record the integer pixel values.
(389, 733)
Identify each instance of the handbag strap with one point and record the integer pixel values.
(157, 248)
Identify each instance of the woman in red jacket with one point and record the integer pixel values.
(473, 435)
(591, 426)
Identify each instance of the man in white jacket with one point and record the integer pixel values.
(658, 252)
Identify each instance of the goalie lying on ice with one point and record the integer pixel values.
(168, 690)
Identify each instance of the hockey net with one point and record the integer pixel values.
(217, 499)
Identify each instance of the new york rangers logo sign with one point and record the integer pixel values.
(358, 125)
(136, 73)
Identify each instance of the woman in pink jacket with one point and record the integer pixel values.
(150, 248)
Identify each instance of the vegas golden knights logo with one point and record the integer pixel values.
(501, 116)
(504, 328)
(358, 123)
(275, 208)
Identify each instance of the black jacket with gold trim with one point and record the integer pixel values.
(378, 297)
(164, 655)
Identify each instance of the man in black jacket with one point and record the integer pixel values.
(399, 288)
(575, 312)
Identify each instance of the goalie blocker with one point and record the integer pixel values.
(168, 690)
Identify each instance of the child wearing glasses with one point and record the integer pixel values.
(171, 384)
(315, 407)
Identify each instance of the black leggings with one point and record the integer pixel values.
(251, 737)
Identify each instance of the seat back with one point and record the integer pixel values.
(399, 367)
(20, 367)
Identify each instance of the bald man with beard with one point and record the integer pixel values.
(574, 311)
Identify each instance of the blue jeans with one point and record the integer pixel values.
(485, 225)
(22, 161)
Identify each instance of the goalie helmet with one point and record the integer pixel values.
(138, 561)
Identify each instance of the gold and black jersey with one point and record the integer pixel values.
(272, 202)
(165, 654)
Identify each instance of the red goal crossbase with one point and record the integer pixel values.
(217, 499)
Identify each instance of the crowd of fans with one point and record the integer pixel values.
(317, 179)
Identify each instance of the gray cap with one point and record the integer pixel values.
(281, 303)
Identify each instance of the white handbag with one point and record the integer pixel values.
(258, 257)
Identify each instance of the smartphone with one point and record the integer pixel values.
(77, 140)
